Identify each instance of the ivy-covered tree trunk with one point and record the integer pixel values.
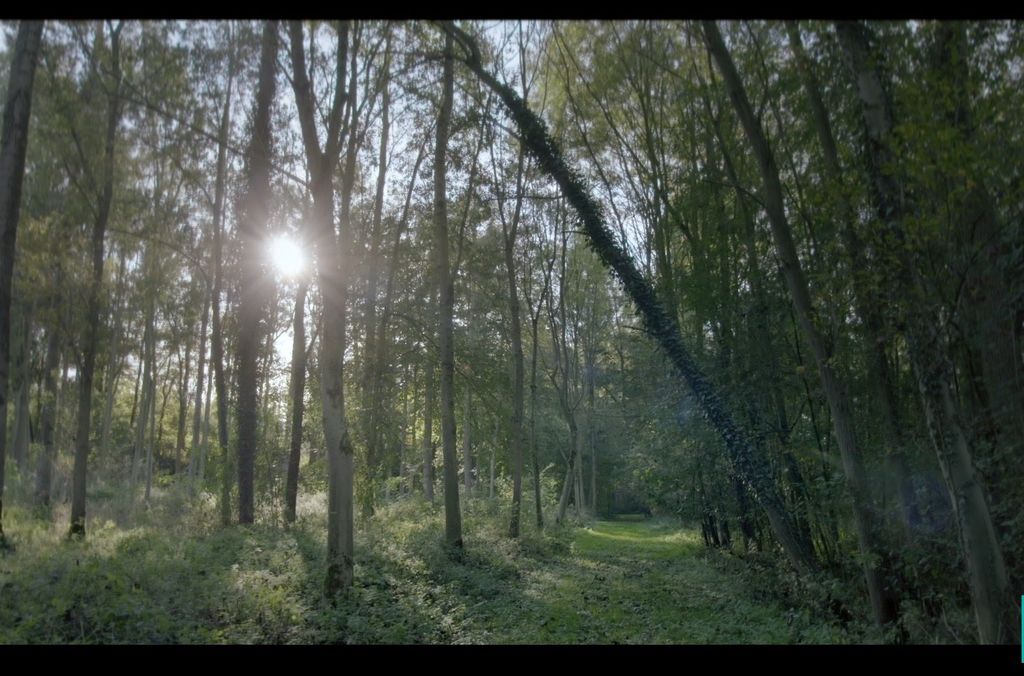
(745, 455)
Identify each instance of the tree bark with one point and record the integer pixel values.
(373, 369)
(217, 333)
(13, 147)
(198, 446)
(332, 281)
(428, 425)
(251, 307)
(510, 231)
(446, 308)
(467, 447)
(114, 358)
(298, 390)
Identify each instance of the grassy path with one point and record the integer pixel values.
(614, 582)
(635, 582)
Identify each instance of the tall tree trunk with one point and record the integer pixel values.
(428, 427)
(13, 146)
(883, 596)
(989, 583)
(372, 368)
(20, 437)
(446, 309)
(217, 333)
(204, 443)
(114, 358)
(252, 285)
(510, 231)
(198, 445)
(148, 359)
(298, 390)
(44, 473)
(154, 439)
(91, 335)
(179, 442)
(746, 455)
(332, 281)
(467, 448)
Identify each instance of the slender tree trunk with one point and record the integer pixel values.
(114, 363)
(251, 308)
(153, 437)
(91, 335)
(20, 438)
(148, 359)
(467, 449)
(510, 231)
(204, 444)
(198, 445)
(13, 147)
(44, 474)
(332, 281)
(372, 368)
(538, 508)
(428, 429)
(494, 452)
(217, 333)
(298, 390)
(446, 308)
(179, 444)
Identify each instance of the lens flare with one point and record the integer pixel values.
(286, 256)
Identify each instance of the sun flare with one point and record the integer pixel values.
(286, 256)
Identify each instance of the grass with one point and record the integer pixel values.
(170, 574)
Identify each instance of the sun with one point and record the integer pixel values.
(286, 256)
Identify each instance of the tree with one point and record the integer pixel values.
(446, 301)
(13, 145)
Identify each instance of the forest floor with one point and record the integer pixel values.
(637, 581)
(172, 574)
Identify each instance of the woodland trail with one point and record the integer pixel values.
(628, 582)
(638, 582)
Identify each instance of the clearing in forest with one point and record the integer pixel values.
(630, 581)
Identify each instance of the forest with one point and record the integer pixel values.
(511, 332)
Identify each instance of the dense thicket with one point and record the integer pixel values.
(762, 277)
